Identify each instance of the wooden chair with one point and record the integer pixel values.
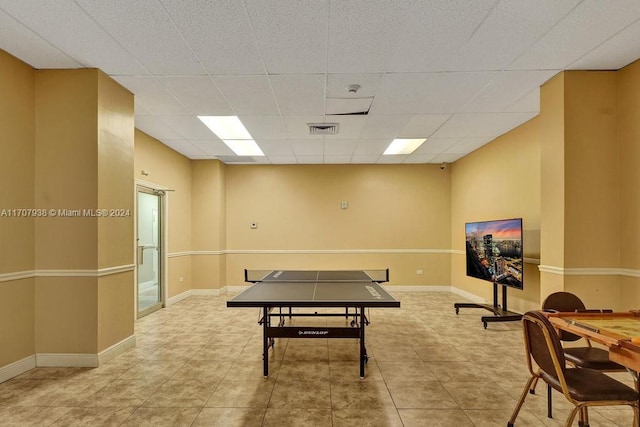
(583, 387)
(581, 357)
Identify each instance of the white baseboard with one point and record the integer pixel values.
(16, 368)
(177, 298)
(117, 349)
(468, 295)
(79, 360)
(186, 294)
(207, 292)
(417, 288)
(235, 289)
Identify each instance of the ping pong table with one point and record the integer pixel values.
(349, 289)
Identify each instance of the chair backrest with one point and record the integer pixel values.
(543, 343)
(564, 301)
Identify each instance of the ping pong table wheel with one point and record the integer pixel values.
(457, 310)
(484, 324)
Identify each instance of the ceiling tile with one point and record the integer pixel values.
(365, 158)
(188, 127)
(283, 160)
(395, 158)
(337, 159)
(183, 147)
(339, 147)
(385, 126)
(197, 93)
(276, 147)
(347, 105)
(265, 127)
(338, 85)
(292, 35)
(423, 125)
(297, 126)
(350, 126)
(506, 88)
(151, 95)
(310, 160)
(153, 126)
(362, 34)
(457, 72)
(466, 145)
(145, 31)
(372, 146)
(420, 158)
(304, 147)
(81, 38)
(23, 43)
(590, 24)
(433, 33)
(447, 157)
(481, 124)
(436, 145)
(248, 95)
(212, 147)
(616, 52)
(422, 93)
(299, 93)
(220, 34)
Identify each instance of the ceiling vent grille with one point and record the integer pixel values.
(323, 128)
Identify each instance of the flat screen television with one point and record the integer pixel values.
(494, 251)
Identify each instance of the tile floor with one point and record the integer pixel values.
(199, 363)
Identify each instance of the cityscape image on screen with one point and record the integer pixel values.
(494, 251)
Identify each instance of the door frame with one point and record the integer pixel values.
(163, 273)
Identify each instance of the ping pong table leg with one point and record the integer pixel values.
(363, 350)
(265, 343)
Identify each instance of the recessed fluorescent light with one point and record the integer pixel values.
(244, 147)
(226, 127)
(404, 145)
(233, 133)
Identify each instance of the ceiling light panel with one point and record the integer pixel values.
(403, 146)
(244, 147)
(226, 127)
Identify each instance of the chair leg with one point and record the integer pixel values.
(572, 416)
(549, 409)
(585, 417)
(523, 396)
(532, 390)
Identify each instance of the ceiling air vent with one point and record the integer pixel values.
(323, 128)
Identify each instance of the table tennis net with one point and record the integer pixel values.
(280, 276)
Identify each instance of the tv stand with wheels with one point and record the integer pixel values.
(500, 314)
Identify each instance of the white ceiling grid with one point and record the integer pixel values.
(457, 72)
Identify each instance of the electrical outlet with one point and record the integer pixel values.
(254, 225)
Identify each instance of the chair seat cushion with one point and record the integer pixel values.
(591, 357)
(589, 385)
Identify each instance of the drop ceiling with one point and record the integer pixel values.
(457, 72)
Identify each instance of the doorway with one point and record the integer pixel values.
(149, 293)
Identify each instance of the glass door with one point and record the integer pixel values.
(149, 251)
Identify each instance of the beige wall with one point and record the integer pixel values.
(169, 169)
(628, 104)
(17, 114)
(552, 206)
(208, 217)
(499, 181)
(67, 144)
(398, 215)
(115, 139)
